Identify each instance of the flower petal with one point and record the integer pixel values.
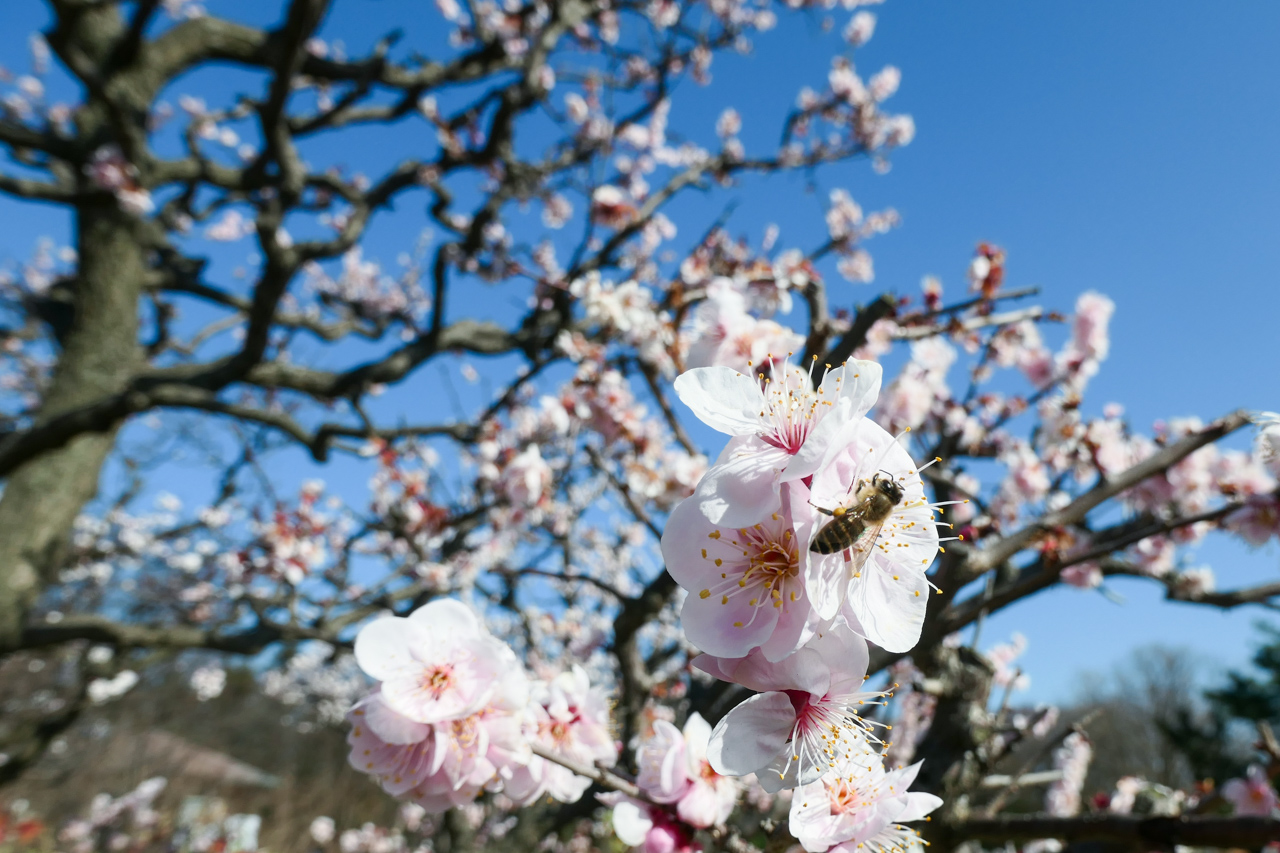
(450, 617)
(751, 735)
(852, 390)
(919, 804)
(889, 603)
(384, 647)
(389, 726)
(742, 487)
(631, 823)
(723, 399)
(730, 629)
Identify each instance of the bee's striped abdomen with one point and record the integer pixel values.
(840, 533)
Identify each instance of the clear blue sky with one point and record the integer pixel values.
(1128, 148)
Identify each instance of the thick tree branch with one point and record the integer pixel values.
(1152, 832)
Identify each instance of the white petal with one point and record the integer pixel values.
(852, 391)
(723, 399)
(697, 734)
(450, 617)
(846, 654)
(743, 488)
(631, 823)
(751, 735)
(384, 647)
(890, 611)
(919, 804)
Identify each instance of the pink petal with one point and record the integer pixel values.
(726, 630)
(389, 726)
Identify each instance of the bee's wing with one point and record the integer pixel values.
(863, 546)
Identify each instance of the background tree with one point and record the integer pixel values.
(540, 140)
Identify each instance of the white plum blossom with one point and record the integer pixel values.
(885, 597)
(438, 664)
(860, 806)
(322, 830)
(526, 477)
(782, 432)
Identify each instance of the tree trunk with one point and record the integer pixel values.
(43, 497)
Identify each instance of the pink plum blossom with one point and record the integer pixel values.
(651, 828)
(438, 664)
(724, 334)
(782, 433)
(748, 585)
(439, 765)
(1062, 798)
(526, 477)
(610, 207)
(1257, 521)
(859, 806)
(803, 716)
(674, 768)
(570, 719)
(1082, 575)
(1252, 795)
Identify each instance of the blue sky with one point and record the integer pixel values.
(1127, 148)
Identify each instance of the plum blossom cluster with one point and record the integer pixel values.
(1211, 488)
(113, 822)
(682, 790)
(809, 537)
(455, 714)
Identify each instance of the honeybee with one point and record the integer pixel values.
(858, 526)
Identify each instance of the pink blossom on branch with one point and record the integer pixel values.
(1252, 795)
(675, 768)
(438, 664)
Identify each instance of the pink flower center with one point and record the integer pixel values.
(842, 796)
(767, 572)
(792, 408)
(850, 793)
(438, 680)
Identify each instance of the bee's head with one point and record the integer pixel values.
(888, 487)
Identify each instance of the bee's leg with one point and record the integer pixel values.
(822, 510)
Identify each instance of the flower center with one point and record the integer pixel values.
(850, 793)
(792, 409)
(765, 566)
(466, 731)
(438, 680)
